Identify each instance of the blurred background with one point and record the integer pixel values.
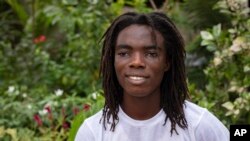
(50, 53)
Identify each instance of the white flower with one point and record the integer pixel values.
(43, 112)
(24, 95)
(59, 92)
(217, 61)
(11, 89)
(29, 106)
(238, 44)
(233, 89)
(94, 95)
(246, 69)
(235, 48)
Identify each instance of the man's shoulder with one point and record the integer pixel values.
(199, 116)
(194, 113)
(89, 126)
(191, 108)
(205, 124)
(94, 119)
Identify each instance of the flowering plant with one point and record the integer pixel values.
(49, 118)
(228, 72)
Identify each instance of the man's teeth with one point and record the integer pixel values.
(136, 78)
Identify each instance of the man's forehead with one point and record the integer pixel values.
(140, 34)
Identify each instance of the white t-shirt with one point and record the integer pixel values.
(202, 126)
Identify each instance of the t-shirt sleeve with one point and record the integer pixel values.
(84, 133)
(211, 129)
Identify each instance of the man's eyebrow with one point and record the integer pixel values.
(123, 46)
(151, 47)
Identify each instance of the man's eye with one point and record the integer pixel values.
(123, 54)
(152, 54)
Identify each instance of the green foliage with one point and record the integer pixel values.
(52, 49)
(47, 118)
(201, 14)
(19, 10)
(50, 53)
(68, 55)
(191, 16)
(228, 71)
(97, 104)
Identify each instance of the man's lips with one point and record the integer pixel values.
(136, 75)
(136, 79)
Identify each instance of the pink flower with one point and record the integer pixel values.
(50, 116)
(38, 120)
(48, 109)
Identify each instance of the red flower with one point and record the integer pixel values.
(42, 38)
(65, 125)
(38, 120)
(86, 107)
(49, 113)
(39, 39)
(48, 109)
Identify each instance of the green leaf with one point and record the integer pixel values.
(217, 30)
(206, 42)
(211, 48)
(228, 105)
(205, 35)
(69, 2)
(76, 123)
(12, 133)
(19, 9)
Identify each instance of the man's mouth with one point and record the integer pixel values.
(136, 80)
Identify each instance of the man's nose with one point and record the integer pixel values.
(137, 61)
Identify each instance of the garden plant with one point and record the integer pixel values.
(50, 53)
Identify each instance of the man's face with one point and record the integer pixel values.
(139, 63)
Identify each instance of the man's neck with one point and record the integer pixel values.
(141, 108)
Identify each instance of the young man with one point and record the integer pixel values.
(145, 87)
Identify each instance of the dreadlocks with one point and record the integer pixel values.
(174, 89)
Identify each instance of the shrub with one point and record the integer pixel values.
(227, 92)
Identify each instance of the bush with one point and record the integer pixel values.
(227, 92)
(47, 118)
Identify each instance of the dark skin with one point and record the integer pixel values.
(140, 63)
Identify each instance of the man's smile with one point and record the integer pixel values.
(136, 79)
